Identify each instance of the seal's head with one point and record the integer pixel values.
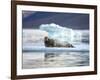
(46, 38)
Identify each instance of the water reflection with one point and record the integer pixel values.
(56, 59)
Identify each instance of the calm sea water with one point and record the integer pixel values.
(56, 59)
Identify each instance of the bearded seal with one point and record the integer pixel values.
(54, 43)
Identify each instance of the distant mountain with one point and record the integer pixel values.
(71, 20)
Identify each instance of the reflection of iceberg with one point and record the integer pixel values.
(65, 34)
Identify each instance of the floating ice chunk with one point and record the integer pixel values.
(65, 34)
(33, 37)
(57, 32)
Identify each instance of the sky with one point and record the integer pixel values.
(33, 19)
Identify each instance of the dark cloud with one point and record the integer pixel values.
(32, 19)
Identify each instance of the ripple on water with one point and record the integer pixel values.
(64, 59)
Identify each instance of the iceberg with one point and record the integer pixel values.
(65, 34)
(33, 38)
(57, 32)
